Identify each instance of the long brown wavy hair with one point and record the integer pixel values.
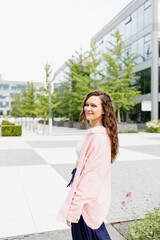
(108, 120)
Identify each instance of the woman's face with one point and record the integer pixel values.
(93, 110)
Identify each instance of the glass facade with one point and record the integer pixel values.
(159, 79)
(159, 11)
(137, 116)
(131, 25)
(143, 81)
(142, 48)
(134, 23)
(159, 42)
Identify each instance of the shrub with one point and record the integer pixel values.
(147, 228)
(64, 119)
(6, 123)
(11, 130)
(153, 126)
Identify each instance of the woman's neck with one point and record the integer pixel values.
(91, 125)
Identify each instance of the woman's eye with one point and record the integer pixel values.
(93, 105)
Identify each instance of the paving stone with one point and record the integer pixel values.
(20, 157)
(52, 144)
(149, 149)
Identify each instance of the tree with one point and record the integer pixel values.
(84, 75)
(70, 94)
(42, 103)
(16, 106)
(119, 76)
(29, 102)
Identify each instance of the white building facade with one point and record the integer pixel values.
(139, 25)
(7, 90)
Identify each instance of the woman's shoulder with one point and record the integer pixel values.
(97, 129)
(98, 135)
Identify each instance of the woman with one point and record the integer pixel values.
(88, 201)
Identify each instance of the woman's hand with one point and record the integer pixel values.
(68, 223)
(76, 164)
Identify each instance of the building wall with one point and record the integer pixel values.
(7, 90)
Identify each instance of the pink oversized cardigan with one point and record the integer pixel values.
(90, 192)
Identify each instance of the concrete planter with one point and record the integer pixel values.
(66, 124)
(76, 124)
(126, 127)
(60, 124)
(70, 124)
(122, 127)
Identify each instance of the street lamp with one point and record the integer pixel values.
(50, 107)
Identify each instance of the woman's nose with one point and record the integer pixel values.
(88, 107)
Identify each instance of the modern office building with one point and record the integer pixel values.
(7, 90)
(139, 25)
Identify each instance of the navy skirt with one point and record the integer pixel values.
(80, 231)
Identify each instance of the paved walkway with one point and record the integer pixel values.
(35, 169)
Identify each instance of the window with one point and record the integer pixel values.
(112, 38)
(122, 30)
(147, 13)
(13, 87)
(1, 112)
(127, 20)
(143, 82)
(101, 41)
(4, 104)
(134, 23)
(159, 79)
(140, 50)
(128, 27)
(4, 86)
(4, 95)
(134, 50)
(159, 11)
(147, 4)
(147, 50)
(140, 18)
(147, 47)
(128, 51)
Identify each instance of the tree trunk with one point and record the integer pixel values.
(119, 116)
(33, 124)
(25, 122)
(44, 124)
(29, 123)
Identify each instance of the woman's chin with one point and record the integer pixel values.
(88, 118)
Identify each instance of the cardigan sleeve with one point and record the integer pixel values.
(90, 181)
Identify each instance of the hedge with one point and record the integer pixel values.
(11, 130)
(6, 123)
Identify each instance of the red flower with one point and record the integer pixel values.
(128, 194)
(123, 203)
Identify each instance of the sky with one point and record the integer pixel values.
(33, 32)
